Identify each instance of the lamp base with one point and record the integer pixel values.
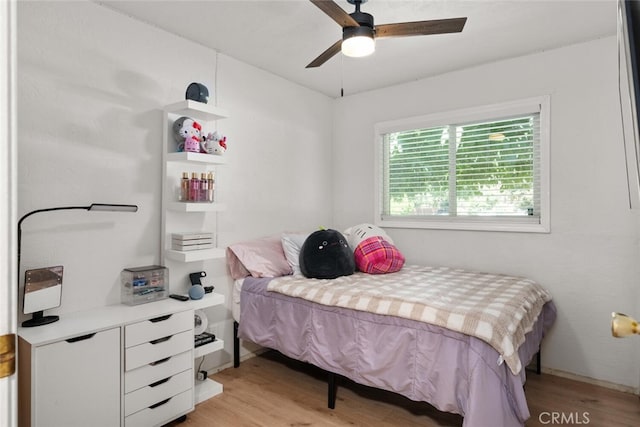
(38, 320)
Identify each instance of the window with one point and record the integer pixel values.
(477, 169)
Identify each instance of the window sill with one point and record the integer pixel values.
(514, 225)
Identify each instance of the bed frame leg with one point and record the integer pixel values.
(236, 345)
(539, 361)
(333, 388)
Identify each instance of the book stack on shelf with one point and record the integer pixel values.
(191, 241)
(203, 338)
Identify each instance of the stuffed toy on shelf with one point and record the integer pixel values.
(188, 134)
(214, 143)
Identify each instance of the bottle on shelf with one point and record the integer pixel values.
(211, 183)
(199, 188)
(194, 187)
(184, 187)
(204, 188)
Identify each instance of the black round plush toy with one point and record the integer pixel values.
(325, 254)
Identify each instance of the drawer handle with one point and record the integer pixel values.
(157, 383)
(159, 340)
(160, 319)
(80, 338)
(155, 405)
(161, 361)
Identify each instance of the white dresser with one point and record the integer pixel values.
(116, 365)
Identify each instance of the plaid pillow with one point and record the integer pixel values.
(377, 256)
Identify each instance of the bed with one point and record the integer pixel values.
(391, 346)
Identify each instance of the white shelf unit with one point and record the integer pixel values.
(206, 389)
(187, 157)
(197, 110)
(178, 216)
(197, 255)
(196, 207)
(209, 300)
(205, 349)
(173, 163)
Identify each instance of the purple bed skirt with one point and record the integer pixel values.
(453, 372)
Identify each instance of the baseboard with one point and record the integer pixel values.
(588, 380)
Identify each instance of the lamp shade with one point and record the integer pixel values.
(358, 41)
(623, 325)
(107, 207)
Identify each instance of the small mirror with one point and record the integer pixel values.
(42, 291)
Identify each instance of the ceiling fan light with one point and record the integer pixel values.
(358, 42)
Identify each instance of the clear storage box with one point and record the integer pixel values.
(144, 284)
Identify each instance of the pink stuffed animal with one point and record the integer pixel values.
(188, 133)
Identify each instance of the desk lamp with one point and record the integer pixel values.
(38, 319)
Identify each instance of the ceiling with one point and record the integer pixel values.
(282, 37)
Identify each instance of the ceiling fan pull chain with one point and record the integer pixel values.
(341, 76)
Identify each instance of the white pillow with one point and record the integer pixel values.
(356, 234)
(291, 244)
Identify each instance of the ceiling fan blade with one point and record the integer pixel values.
(326, 55)
(421, 28)
(336, 13)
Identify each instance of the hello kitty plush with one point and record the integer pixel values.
(188, 134)
(361, 232)
(214, 143)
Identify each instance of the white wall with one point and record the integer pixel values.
(91, 87)
(590, 260)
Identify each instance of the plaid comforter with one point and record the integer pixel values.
(497, 309)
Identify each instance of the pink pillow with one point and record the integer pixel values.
(259, 258)
(377, 256)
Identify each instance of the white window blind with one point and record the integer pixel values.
(486, 169)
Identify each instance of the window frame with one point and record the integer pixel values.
(540, 104)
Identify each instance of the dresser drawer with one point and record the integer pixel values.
(157, 392)
(155, 371)
(148, 330)
(143, 354)
(162, 412)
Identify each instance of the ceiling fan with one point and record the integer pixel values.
(359, 32)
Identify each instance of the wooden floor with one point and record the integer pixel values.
(271, 390)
